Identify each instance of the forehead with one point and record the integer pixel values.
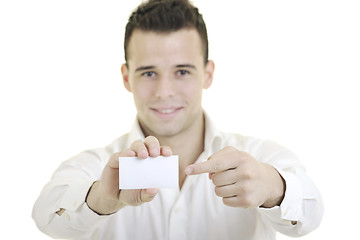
(149, 46)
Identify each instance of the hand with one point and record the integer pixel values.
(241, 180)
(105, 197)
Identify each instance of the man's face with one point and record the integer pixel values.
(166, 74)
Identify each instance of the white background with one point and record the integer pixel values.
(285, 70)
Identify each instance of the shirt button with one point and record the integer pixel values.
(67, 217)
(177, 210)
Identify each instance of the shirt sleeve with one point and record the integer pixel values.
(67, 190)
(302, 209)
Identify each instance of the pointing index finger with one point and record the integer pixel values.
(210, 166)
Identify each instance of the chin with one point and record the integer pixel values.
(164, 132)
(159, 129)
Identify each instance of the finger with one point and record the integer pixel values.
(233, 202)
(198, 168)
(153, 146)
(114, 159)
(140, 149)
(211, 166)
(165, 151)
(110, 175)
(225, 177)
(148, 195)
(226, 191)
(211, 175)
(237, 201)
(236, 195)
(136, 197)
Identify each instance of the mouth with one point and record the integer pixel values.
(166, 112)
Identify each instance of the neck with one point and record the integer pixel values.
(188, 145)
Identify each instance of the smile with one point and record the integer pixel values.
(166, 112)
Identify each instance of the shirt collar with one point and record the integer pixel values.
(135, 133)
(213, 137)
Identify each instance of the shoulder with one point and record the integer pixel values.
(118, 144)
(101, 154)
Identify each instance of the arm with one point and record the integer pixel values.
(241, 180)
(105, 197)
(84, 191)
(65, 194)
(271, 180)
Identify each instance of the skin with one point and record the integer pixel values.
(166, 74)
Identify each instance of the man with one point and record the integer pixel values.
(252, 188)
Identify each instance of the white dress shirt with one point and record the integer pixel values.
(194, 212)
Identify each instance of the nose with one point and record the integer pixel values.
(164, 87)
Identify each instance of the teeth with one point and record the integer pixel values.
(167, 111)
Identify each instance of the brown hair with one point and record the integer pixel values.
(165, 16)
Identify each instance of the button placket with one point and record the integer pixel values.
(177, 222)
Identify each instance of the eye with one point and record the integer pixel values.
(183, 72)
(148, 74)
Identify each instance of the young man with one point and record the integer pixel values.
(252, 188)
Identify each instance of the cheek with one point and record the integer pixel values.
(192, 91)
(141, 94)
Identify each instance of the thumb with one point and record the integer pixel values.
(149, 194)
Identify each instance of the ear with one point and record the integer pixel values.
(125, 75)
(209, 73)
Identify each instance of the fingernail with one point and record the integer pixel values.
(154, 152)
(157, 151)
(152, 191)
(143, 153)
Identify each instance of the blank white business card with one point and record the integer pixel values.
(152, 172)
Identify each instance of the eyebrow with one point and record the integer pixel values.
(186, 66)
(143, 68)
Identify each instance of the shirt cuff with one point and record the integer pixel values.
(75, 194)
(77, 213)
(83, 219)
(291, 207)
